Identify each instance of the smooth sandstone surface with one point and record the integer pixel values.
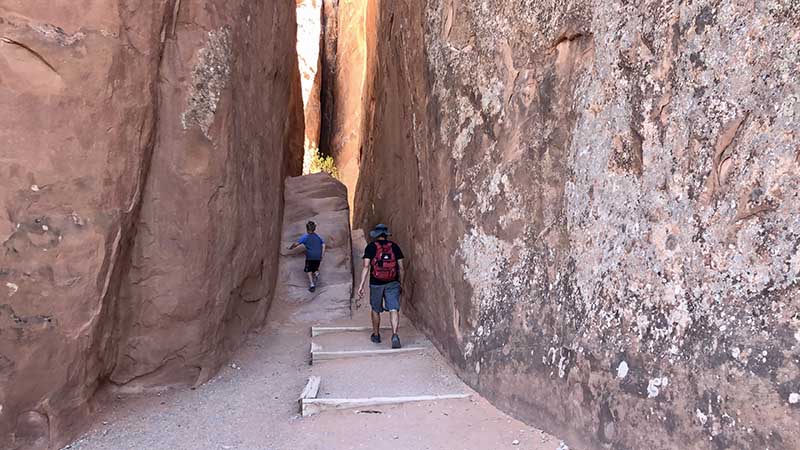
(322, 199)
(351, 90)
(599, 205)
(330, 39)
(144, 147)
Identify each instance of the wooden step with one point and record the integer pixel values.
(312, 388)
(312, 406)
(316, 331)
(317, 354)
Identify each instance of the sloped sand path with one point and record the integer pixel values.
(252, 403)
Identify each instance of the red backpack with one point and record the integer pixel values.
(384, 264)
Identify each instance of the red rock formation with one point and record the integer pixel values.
(599, 202)
(309, 53)
(143, 153)
(351, 87)
(330, 38)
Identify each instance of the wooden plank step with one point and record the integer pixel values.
(312, 388)
(319, 355)
(316, 331)
(312, 406)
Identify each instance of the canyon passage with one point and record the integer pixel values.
(597, 201)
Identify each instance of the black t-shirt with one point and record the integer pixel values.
(369, 253)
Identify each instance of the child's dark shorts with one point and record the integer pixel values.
(312, 265)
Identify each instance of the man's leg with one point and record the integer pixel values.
(392, 293)
(376, 323)
(376, 305)
(394, 316)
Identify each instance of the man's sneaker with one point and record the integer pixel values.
(376, 338)
(316, 277)
(312, 288)
(396, 341)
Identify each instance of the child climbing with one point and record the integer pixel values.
(315, 249)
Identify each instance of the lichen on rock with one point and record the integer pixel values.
(616, 185)
(209, 77)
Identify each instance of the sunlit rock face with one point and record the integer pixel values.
(599, 205)
(309, 46)
(351, 86)
(144, 146)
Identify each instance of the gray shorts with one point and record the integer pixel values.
(385, 297)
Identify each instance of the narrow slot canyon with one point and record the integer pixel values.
(597, 203)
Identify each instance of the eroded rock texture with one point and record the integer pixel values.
(144, 146)
(599, 202)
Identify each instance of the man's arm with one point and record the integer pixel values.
(323, 251)
(401, 273)
(364, 274)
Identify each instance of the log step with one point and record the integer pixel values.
(316, 331)
(312, 388)
(319, 355)
(312, 406)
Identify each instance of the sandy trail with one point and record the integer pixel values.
(252, 403)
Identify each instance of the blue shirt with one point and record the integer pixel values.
(313, 243)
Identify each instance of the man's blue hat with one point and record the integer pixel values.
(379, 230)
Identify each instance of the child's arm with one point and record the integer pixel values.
(299, 242)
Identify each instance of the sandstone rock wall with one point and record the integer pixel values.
(330, 40)
(355, 58)
(144, 147)
(309, 54)
(599, 202)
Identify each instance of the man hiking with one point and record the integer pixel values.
(315, 249)
(383, 261)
